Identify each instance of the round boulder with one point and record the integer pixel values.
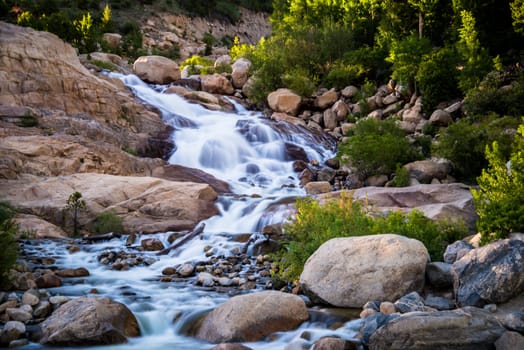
(240, 72)
(347, 272)
(252, 317)
(285, 101)
(156, 69)
(89, 321)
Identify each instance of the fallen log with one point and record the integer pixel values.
(196, 231)
(104, 237)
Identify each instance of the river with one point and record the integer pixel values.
(249, 152)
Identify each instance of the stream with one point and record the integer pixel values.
(250, 153)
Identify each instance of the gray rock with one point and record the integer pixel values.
(230, 346)
(440, 118)
(30, 297)
(439, 303)
(19, 314)
(12, 331)
(18, 342)
(372, 323)
(456, 250)
(43, 309)
(410, 302)
(438, 275)
(186, 270)
(469, 328)
(58, 299)
(332, 343)
(490, 274)
(252, 317)
(205, 279)
(510, 341)
(514, 321)
(89, 321)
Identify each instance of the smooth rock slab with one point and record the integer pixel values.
(490, 274)
(252, 317)
(347, 272)
(465, 329)
(89, 321)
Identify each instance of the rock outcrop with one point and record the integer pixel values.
(252, 317)
(347, 272)
(146, 204)
(490, 274)
(89, 321)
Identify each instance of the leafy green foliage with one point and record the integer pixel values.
(401, 178)
(108, 222)
(8, 241)
(517, 14)
(75, 203)
(343, 217)
(500, 198)
(377, 147)
(406, 56)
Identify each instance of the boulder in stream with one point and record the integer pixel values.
(252, 317)
(89, 321)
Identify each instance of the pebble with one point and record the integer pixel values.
(19, 314)
(43, 309)
(30, 297)
(12, 331)
(387, 308)
(58, 300)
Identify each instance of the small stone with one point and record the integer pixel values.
(18, 342)
(169, 271)
(387, 308)
(225, 282)
(30, 297)
(58, 300)
(151, 244)
(79, 272)
(367, 312)
(186, 270)
(48, 280)
(456, 250)
(205, 279)
(12, 330)
(439, 303)
(410, 302)
(19, 314)
(43, 309)
(332, 343)
(8, 304)
(490, 307)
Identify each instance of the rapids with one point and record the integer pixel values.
(250, 153)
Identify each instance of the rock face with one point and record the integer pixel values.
(147, 204)
(89, 321)
(490, 274)
(156, 69)
(347, 272)
(40, 71)
(252, 317)
(285, 101)
(449, 201)
(468, 328)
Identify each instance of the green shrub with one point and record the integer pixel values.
(8, 242)
(104, 65)
(377, 147)
(343, 217)
(401, 178)
(108, 222)
(436, 77)
(173, 52)
(298, 81)
(500, 198)
(209, 40)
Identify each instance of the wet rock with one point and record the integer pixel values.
(205, 279)
(490, 274)
(43, 309)
(510, 341)
(17, 343)
(48, 280)
(384, 267)
(374, 322)
(332, 343)
(156, 69)
(410, 302)
(456, 250)
(387, 308)
(230, 346)
(513, 321)
(216, 84)
(30, 297)
(22, 280)
(8, 304)
(252, 317)
(89, 321)
(240, 71)
(468, 328)
(186, 270)
(438, 275)
(326, 174)
(152, 244)
(327, 99)
(58, 300)
(12, 330)
(439, 303)
(79, 272)
(19, 314)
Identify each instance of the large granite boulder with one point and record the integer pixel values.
(240, 72)
(462, 329)
(216, 84)
(146, 204)
(156, 69)
(284, 101)
(252, 317)
(490, 274)
(348, 272)
(427, 170)
(89, 321)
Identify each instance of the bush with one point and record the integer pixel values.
(108, 222)
(500, 198)
(343, 217)
(8, 242)
(401, 178)
(377, 147)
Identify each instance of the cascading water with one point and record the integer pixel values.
(251, 154)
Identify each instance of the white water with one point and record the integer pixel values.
(246, 151)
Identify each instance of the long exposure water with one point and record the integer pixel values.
(242, 148)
